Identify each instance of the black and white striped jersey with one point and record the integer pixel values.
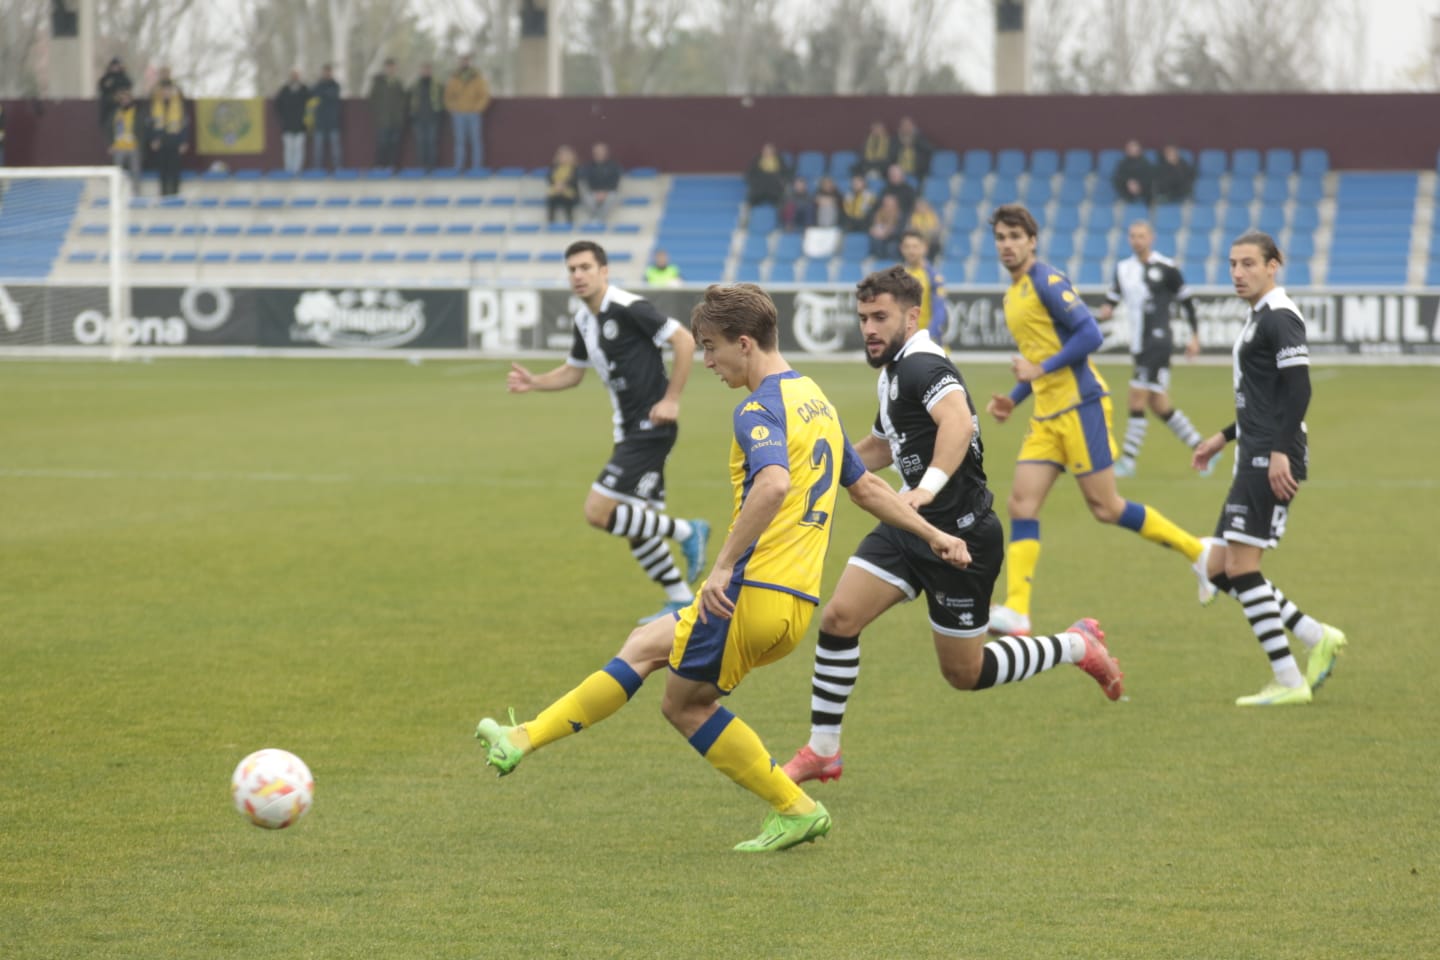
(623, 344)
(1148, 291)
(1272, 340)
(908, 388)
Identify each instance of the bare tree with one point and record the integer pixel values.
(628, 39)
(1254, 45)
(915, 44)
(18, 42)
(488, 29)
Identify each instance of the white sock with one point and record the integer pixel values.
(683, 529)
(825, 743)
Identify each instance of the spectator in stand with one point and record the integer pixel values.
(427, 103)
(1133, 175)
(661, 272)
(168, 134)
(562, 186)
(387, 113)
(911, 152)
(112, 81)
(798, 210)
(828, 201)
(765, 180)
(324, 106)
(886, 226)
(897, 185)
(856, 207)
(125, 132)
(925, 221)
(1174, 177)
(467, 97)
(600, 184)
(876, 151)
(290, 108)
(2, 134)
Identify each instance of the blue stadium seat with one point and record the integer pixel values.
(423, 256)
(1132, 213)
(1242, 189)
(944, 163)
(1212, 163)
(1106, 161)
(1073, 189)
(200, 229)
(1314, 162)
(762, 220)
(787, 246)
(1044, 163)
(1010, 163)
(1245, 162)
(1096, 245)
(958, 244)
(757, 246)
(1066, 218)
(1037, 194)
(1101, 218)
(1078, 163)
(842, 162)
(349, 256)
(1004, 189)
(1206, 190)
(182, 256)
(83, 256)
(850, 272)
(1236, 221)
(215, 256)
(1271, 219)
(260, 230)
(1305, 218)
(1279, 162)
(748, 272)
(270, 203)
(972, 189)
(937, 191)
(315, 256)
(459, 229)
(392, 230)
(405, 201)
(1060, 246)
(783, 272)
(1310, 188)
(360, 229)
(484, 256)
(976, 163)
(1092, 273)
(1165, 240)
(810, 164)
(1295, 273)
(450, 256)
(282, 256)
(1197, 247)
(1301, 246)
(1167, 216)
(1275, 189)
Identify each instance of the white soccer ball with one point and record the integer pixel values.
(272, 788)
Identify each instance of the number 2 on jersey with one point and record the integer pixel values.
(820, 459)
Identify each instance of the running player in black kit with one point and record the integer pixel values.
(926, 427)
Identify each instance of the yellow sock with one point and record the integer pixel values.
(1021, 558)
(1157, 528)
(734, 749)
(598, 696)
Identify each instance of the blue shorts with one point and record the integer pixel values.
(766, 625)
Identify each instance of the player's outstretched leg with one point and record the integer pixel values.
(1097, 660)
(598, 696)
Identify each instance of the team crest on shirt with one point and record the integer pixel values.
(760, 432)
(1154, 274)
(610, 330)
(1068, 296)
(894, 388)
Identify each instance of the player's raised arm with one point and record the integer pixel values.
(879, 499)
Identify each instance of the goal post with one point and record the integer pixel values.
(64, 259)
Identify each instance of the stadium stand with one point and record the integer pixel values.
(1342, 228)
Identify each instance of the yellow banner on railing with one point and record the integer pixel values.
(230, 125)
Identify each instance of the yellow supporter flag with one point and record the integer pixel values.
(229, 125)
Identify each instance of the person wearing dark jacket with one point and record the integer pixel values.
(112, 81)
(387, 113)
(767, 178)
(1133, 176)
(1174, 177)
(290, 104)
(325, 114)
(600, 184)
(910, 151)
(169, 131)
(427, 103)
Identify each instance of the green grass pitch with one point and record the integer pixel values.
(356, 560)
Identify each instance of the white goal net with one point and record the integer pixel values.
(63, 262)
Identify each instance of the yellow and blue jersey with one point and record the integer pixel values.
(789, 422)
(933, 313)
(1052, 326)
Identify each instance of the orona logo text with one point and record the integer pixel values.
(93, 327)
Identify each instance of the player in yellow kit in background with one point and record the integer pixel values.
(1070, 423)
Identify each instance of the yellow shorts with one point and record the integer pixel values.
(766, 625)
(1078, 440)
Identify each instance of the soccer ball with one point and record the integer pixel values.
(272, 788)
